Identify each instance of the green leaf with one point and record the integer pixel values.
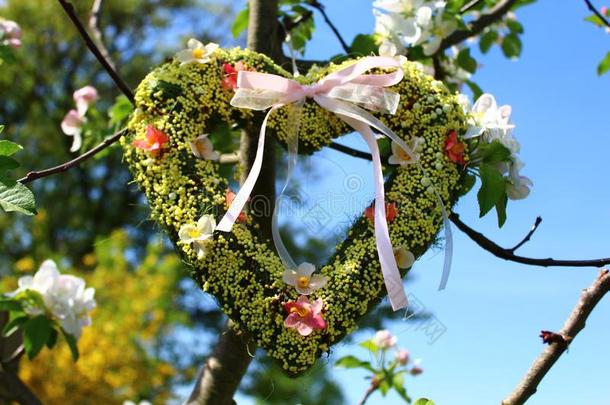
(52, 341)
(36, 333)
(7, 55)
(9, 304)
(487, 40)
(120, 111)
(16, 197)
(465, 61)
(424, 401)
(514, 26)
(241, 22)
(353, 362)
(595, 20)
(364, 45)
(8, 148)
(511, 46)
(370, 346)
(398, 383)
(476, 90)
(1, 128)
(495, 152)
(384, 387)
(467, 183)
(493, 188)
(16, 319)
(604, 65)
(71, 340)
(7, 163)
(501, 210)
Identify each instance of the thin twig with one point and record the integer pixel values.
(528, 236)
(350, 151)
(320, 7)
(372, 388)
(597, 13)
(17, 390)
(486, 19)
(470, 5)
(31, 176)
(574, 324)
(69, 9)
(94, 26)
(506, 254)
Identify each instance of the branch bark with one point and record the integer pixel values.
(573, 325)
(224, 370)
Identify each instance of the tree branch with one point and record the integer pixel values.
(528, 236)
(507, 254)
(118, 80)
(597, 13)
(94, 26)
(223, 370)
(31, 176)
(16, 389)
(573, 325)
(350, 151)
(320, 7)
(486, 19)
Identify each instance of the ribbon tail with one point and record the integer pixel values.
(448, 246)
(227, 221)
(389, 268)
(292, 141)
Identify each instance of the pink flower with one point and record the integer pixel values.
(402, 356)
(604, 11)
(229, 197)
(384, 339)
(72, 126)
(455, 149)
(155, 139)
(417, 369)
(390, 212)
(304, 316)
(84, 97)
(230, 80)
(10, 33)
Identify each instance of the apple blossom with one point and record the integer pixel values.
(401, 157)
(196, 52)
(72, 125)
(202, 148)
(199, 234)
(384, 339)
(83, 98)
(402, 357)
(10, 33)
(303, 278)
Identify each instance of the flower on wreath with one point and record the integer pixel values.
(63, 295)
(153, 142)
(229, 82)
(229, 197)
(198, 235)
(304, 316)
(455, 149)
(401, 157)
(202, 148)
(196, 52)
(404, 258)
(303, 278)
(384, 339)
(390, 212)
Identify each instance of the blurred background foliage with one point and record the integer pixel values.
(153, 326)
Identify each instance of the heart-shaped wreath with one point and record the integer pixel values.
(293, 314)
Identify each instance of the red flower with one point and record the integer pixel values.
(155, 139)
(304, 316)
(455, 149)
(230, 80)
(390, 212)
(229, 197)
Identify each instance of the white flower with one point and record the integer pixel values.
(303, 280)
(404, 258)
(518, 188)
(441, 28)
(489, 119)
(196, 52)
(202, 148)
(384, 339)
(64, 296)
(390, 50)
(83, 98)
(10, 33)
(198, 234)
(401, 157)
(72, 125)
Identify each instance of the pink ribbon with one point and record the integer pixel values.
(344, 93)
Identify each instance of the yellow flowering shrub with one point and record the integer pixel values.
(240, 270)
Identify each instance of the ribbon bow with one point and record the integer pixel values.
(345, 93)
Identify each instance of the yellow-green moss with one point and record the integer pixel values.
(240, 269)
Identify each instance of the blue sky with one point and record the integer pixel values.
(493, 310)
